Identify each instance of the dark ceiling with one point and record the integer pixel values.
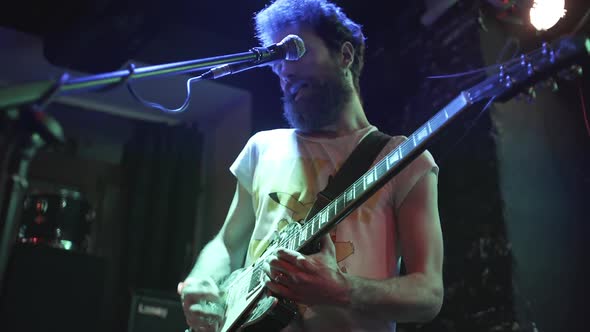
(76, 31)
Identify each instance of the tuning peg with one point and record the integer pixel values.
(526, 63)
(531, 92)
(549, 83)
(577, 70)
(554, 87)
(571, 73)
(529, 95)
(548, 51)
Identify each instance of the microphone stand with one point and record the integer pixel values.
(28, 127)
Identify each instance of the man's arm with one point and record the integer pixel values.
(227, 251)
(199, 292)
(416, 296)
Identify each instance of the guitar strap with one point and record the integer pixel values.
(355, 165)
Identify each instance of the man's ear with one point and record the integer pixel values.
(347, 54)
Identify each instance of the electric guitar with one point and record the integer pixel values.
(249, 304)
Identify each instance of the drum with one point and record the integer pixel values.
(61, 220)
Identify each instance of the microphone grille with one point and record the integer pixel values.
(294, 47)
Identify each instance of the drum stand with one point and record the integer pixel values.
(24, 130)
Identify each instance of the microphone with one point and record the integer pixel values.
(290, 48)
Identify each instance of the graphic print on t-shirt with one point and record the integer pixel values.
(296, 212)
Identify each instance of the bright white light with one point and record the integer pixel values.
(546, 13)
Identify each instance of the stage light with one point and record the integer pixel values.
(544, 14)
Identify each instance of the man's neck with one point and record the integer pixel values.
(353, 118)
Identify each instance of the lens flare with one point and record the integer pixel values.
(545, 13)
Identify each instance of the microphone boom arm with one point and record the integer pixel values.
(23, 94)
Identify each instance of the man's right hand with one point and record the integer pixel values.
(202, 304)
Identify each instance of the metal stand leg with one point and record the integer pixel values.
(23, 141)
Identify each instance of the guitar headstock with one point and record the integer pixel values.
(520, 75)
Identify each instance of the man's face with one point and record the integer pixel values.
(314, 87)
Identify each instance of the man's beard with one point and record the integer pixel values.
(321, 105)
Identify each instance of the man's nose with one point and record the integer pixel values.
(285, 68)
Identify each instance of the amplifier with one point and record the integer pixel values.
(156, 311)
(50, 289)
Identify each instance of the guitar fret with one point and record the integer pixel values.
(422, 133)
(380, 169)
(369, 178)
(439, 120)
(429, 129)
(255, 278)
(394, 157)
(336, 206)
(414, 140)
(342, 198)
(407, 148)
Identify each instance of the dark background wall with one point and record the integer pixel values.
(514, 181)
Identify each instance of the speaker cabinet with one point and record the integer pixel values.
(155, 311)
(50, 289)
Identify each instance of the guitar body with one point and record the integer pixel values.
(269, 314)
(250, 306)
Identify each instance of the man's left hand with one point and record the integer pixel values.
(313, 279)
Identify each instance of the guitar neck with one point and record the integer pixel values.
(511, 76)
(357, 193)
